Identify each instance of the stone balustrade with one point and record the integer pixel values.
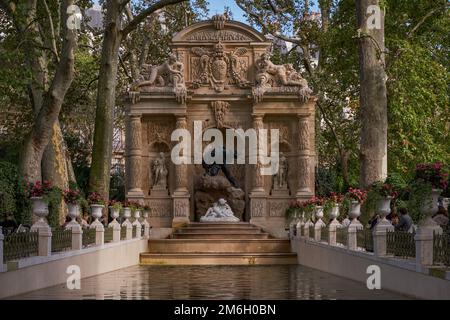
(382, 241)
(100, 236)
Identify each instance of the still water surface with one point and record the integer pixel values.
(214, 282)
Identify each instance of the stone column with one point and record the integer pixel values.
(181, 206)
(306, 230)
(258, 196)
(44, 237)
(332, 230)
(318, 229)
(146, 226)
(424, 244)
(45, 242)
(129, 229)
(303, 160)
(77, 235)
(99, 232)
(351, 237)
(134, 154)
(379, 237)
(116, 230)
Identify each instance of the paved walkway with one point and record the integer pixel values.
(214, 282)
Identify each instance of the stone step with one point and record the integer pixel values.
(219, 235)
(251, 258)
(219, 246)
(249, 230)
(219, 224)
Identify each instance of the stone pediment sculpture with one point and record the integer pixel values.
(278, 78)
(220, 211)
(218, 68)
(168, 76)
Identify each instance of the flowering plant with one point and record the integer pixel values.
(39, 189)
(95, 198)
(318, 201)
(335, 198)
(434, 174)
(72, 196)
(384, 189)
(356, 195)
(116, 205)
(146, 208)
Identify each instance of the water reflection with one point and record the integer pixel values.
(214, 282)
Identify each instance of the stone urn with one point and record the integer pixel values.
(74, 211)
(145, 214)
(137, 214)
(96, 211)
(126, 213)
(334, 213)
(40, 208)
(355, 210)
(114, 213)
(319, 212)
(430, 207)
(383, 207)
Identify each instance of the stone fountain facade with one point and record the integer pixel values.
(219, 73)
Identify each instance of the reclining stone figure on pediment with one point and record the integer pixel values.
(170, 74)
(270, 75)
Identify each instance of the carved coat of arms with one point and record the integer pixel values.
(218, 68)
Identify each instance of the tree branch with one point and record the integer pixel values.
(52, 30)
(144, 14)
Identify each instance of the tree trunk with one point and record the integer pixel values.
(39, 137)
(106, 100)
(373, 101)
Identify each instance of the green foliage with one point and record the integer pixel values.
(15, 199)
(418, 192)
(55, 205)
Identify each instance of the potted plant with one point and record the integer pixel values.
(72, 198)
(356, 198)
(146, 211)
(114, 208)
(97, 204)
(39, 193)
(137, 211)
(127, 208)
(332, 205)
(379, 198)
(308, 209)
(319, 203)
(292, 210)
(429, 181)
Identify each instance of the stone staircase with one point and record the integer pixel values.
(218, 244)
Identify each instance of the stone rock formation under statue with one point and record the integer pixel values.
(210, 189)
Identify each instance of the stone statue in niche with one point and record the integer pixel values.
(270, 75)
(168, 74)
(160, 172)
(280, 178)
(218, 68)
(220, 211)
